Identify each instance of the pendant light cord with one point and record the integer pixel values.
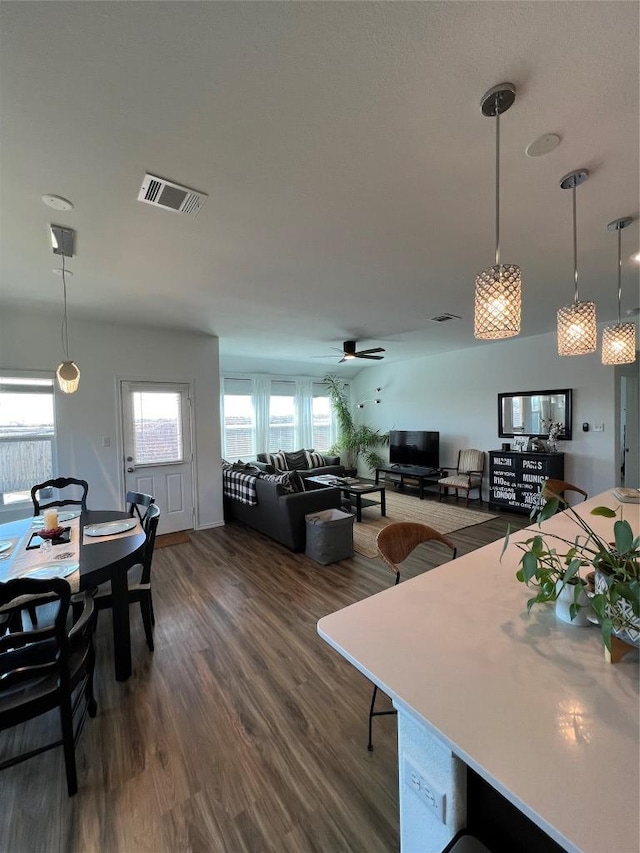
(619, 270)
(575, 247)
(64, 332)
(498, 182)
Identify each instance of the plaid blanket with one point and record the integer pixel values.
(240, 486)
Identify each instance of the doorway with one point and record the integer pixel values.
(629, 417)
(158, 458)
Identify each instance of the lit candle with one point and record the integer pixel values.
(50, 519)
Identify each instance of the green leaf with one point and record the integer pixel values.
(623, 536)
(549, 509)
(605, 627)
(529, 566)
(505, 544)
(604, 511)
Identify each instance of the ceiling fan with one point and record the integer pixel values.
(349, 352)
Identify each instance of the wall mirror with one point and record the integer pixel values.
(523, 413)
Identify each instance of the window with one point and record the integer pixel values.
(282, 417)
(238, 419)
(27, 435)
(157, 427)
(322, 423)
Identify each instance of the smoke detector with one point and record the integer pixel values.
(162, 193)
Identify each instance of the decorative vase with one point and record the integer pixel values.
(567, 597)
(626, 626)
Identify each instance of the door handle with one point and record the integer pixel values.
(130, 470)
(129, 458)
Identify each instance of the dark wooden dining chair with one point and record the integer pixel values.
(557, 489)
(139, 504)
(41, 668)
(138, 579)
(395, 543)
(60, 483)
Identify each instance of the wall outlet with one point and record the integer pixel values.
(429, 793)
(598, 427)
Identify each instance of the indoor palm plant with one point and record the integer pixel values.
(551, 562)
(354, 440)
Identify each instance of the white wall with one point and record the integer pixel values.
(456, 393)
(106, 353)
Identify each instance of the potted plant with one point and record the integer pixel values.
(354, 440)
(551, 563)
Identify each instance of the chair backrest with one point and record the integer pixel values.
(150, 528)
(397, 540)
(26, 655)
(60, 483)
(557, 488)
(470, 460)
(137, 500)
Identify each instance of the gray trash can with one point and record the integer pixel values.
(329, 536)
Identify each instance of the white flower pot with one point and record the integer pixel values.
(567, 597)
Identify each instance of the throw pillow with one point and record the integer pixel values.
(297, 461)
(278, 460)
(314, 459)
(226, 466)
(289, 481)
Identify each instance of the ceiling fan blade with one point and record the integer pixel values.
(343, 359)
(372, 357)
(367, 351)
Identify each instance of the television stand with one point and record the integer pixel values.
(423, 476)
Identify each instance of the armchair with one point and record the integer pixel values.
(465, 477)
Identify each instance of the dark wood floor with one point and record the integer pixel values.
(243, 732)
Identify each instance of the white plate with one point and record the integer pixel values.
(109, 528)
(62, 516)
(53, 570)
(5, 546)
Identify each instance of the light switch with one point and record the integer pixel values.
(106, 441)
(598, 427)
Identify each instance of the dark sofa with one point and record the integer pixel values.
(280, 515)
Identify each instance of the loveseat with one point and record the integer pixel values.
(280, 514)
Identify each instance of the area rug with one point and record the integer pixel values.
(166, 539)
(444, 517)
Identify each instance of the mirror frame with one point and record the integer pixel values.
(566, 435)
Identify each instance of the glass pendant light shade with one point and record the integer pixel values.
(68, 375)
(619, 341)
(577, 331)
(619, 344)
(498, 303)
(498, 294)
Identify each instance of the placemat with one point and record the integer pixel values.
(25, 562)
(90, 540)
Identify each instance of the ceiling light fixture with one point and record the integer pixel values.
(577, 332)
(619, 340)
(498, 289)
(68, 372)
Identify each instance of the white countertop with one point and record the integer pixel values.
(527, 701)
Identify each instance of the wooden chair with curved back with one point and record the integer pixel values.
(60, 483)
(465, 477)
(557, 489)
(138, 579)
(395, 543)
(138, 502)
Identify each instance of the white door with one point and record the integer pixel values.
(158, 460)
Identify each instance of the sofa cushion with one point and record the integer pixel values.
(278, 460)
(289, 481)
(314, 459)
(297, 461)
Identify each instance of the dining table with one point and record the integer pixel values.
(102, 559)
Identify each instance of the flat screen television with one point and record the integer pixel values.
(414, 447)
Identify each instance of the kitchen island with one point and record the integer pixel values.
(527, 702)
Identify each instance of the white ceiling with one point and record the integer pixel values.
(348, 166)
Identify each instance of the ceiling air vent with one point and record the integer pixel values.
(444, 318)
(161, 193)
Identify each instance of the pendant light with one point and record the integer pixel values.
(619, 341)
(577, 332)
(498, 297)
(68, 372)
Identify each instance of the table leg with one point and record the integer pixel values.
(121, 629)
(377, 473)
(383, 502)
(358, 506)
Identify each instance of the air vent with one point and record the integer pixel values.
(444, 318)
(162, 193)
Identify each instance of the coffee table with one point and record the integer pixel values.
(354, 490)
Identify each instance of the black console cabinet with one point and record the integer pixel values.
(515, 478)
